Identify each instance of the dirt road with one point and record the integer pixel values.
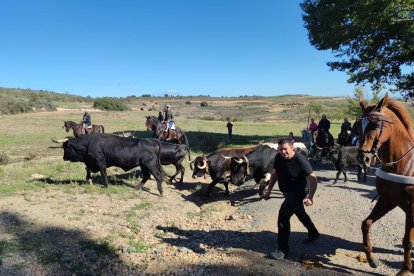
(57, 231)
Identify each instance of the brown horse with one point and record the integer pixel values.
(176, 135)
(388, 135)
(79, 130)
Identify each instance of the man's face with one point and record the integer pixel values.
(286, 150)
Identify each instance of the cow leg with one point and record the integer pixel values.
(181, 169)
(158, 175)
(408, 240)
(365, 173)
(210, 187)
(337, 177)
(104, 177)
(346, 178)
(359, 173)
(380, 209)
(145, 176)
(178, 169)
(226, 185)
(88, 176)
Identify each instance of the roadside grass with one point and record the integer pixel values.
(26, 141)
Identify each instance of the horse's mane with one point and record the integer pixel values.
(401, 112)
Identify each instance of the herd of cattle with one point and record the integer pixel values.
(236, 165)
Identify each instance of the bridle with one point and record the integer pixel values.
(374, 117)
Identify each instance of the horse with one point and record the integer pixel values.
(176, 135)
(79, 130)
(387, 135)
(345, 137)
(321, 144)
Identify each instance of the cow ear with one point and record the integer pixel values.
(362, 103)
(382, 103)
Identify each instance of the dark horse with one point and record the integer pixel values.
(176, 135)
(387, 134)
(345, 137)
(79, 130)
(322, 146)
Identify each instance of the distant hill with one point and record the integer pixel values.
(15, 100)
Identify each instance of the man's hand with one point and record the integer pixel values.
(308, 201)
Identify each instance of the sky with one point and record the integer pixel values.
(119, 48)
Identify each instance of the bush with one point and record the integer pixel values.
(204, 104)
(4, 159)
(112, 104)
(146, 95)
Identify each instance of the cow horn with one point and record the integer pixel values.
(202, 167)
(238, 160)
(60, 141)
(226, 157)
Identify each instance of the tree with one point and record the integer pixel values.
(373, 40)
(353, 108)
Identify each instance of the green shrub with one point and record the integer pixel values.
(112, 104)
(187, 102)
(4, 159)
(204, 104)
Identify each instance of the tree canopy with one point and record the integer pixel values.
(372, 40)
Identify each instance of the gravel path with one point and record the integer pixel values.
(186, 234)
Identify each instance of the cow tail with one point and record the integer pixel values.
(103, 129)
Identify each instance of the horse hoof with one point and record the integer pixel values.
(374, 262)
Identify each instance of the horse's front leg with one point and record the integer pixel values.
(408, 241)
(380, 209)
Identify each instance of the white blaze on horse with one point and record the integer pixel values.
(387, 135)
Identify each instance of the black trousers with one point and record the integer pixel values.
(293, 204)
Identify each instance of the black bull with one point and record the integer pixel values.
(101, 151)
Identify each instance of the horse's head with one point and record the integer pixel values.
(386, 133)
(151, 123)
(66, 125)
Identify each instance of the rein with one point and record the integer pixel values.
(374, 149)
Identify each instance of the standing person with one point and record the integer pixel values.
(292, 171)
(313, 126)
(292, 138)
(86, 120)
(160, 117)
(346, 125)
(230, 130)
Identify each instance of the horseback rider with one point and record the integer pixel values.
(86, 120)
(346, 125)
(168, 121)
(325, 125)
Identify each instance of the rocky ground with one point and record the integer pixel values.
(57, 231)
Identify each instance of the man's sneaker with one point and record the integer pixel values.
(312, 238)
(278, 255)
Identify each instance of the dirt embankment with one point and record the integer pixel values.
(59, 231)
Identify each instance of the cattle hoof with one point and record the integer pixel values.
(374, 262)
